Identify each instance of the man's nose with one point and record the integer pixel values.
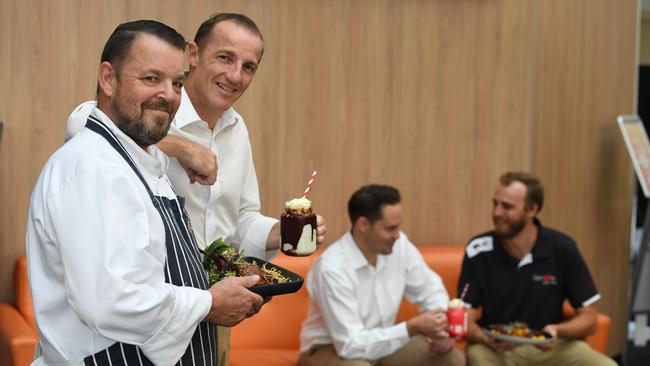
(234, 74)
(167, 91)
(497, 211)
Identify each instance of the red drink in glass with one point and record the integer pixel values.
(457, 320)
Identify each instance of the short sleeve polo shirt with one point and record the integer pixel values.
(531, 290)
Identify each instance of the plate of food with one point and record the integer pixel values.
(221, 260)
(518, 333)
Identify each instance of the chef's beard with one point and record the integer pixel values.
(137, 129)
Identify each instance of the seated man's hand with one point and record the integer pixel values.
(431, 324)
(232, 302)
(498, 346)
(321, 229)
(552, 330)
(439, 346)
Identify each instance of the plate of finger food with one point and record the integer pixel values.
(220, 260)
(518, 333)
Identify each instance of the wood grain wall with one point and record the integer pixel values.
(435, 97)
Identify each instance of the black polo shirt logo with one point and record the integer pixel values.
(479, 245)
(545, 279)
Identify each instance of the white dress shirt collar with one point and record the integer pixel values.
(357, 259)
(187, 115)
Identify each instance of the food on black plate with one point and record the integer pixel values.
(518, 330)
(221, 261)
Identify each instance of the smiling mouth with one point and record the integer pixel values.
(226, 87)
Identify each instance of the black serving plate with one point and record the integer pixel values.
(294, 284)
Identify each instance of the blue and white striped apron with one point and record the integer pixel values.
(182, 268)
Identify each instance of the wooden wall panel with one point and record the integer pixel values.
(435, 97)
(577, 146)
(395, 102)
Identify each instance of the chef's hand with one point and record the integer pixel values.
(232, 302)
(199, 162)
(321, 229)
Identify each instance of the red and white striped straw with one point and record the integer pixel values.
(311, 180)
(462, 295)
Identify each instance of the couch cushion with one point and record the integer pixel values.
(446, 262)
(17, 339)
(263, 356)
(22, 295)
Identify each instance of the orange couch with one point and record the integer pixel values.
(18, 335)
(269, 338)
(272, 336)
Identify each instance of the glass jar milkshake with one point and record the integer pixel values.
(298, 228)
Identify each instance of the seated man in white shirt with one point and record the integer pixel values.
(356, 288)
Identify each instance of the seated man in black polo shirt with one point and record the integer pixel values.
(523, 272)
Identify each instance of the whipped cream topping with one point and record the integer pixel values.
(298, 205)
(456, 304)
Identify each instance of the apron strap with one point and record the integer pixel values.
(99, 127)
(181, 248)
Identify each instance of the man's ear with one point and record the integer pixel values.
(192, 53)
(363, 225)
(106, 78)
(532, 210)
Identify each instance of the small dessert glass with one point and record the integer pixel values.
(298, 232)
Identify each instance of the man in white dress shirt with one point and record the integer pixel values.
(223, 58)
(114, 269)
(356, 288)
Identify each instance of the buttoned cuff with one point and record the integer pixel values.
(254, 242)
(399, 332)
(169, 343)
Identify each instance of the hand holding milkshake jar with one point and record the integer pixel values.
(457, 316)
(298, 226)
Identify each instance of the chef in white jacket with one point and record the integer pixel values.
(114, 268)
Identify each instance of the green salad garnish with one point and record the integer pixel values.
(221, 260)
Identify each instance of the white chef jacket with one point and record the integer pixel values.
(96, 255)
(353, 305)
(230, 208)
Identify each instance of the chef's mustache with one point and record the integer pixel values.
(159, 104)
